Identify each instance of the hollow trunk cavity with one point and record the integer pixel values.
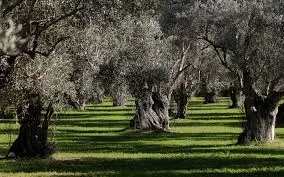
(260, 113)
(260, 125)
(151, 112)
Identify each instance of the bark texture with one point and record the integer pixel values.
(235, 96)
(6, 71)
(210, 97)
(260, 114)
(181, 98)
(76, 103)
(118, 100)
(32, 140)
(261, 117)
(151, 112)
(97, 97)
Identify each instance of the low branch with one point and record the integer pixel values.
(274, 83)
(178, 74)
(273, 99)
(184, 53)
(222, 58)
(51, 50)
(181, 67)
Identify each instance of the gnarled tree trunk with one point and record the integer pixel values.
(118, 100)
(210, 97)
(32, 139)
(79, 103)
(260, 114)
(97, 96)
(181, 97)
(235, 96)
(172, 107)
(151, 112)
(96, 99)
(261, 117)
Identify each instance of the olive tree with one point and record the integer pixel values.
(29, 70)
(213, 76)
(186, 86)
(174, 22)
(247, 36)
(87, 51)
(154, 64)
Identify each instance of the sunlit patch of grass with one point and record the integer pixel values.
(95, 142)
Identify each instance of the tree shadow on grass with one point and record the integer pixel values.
(207, 108)
(71, 116)
(93, 114)
(95, 123)
(145, 143)
(154, 166)
(202, 124)
(215, 116)
(9, 131)
(10, 120)
(131, 143)
(117, 130)
(100, 105)
(190, 174)
(199, 103)
(123, 109)
(4, 149)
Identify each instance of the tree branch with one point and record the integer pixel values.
(11, 7)
(178, 74)
(54, 21)
(222, 58)
(49, 52)
(46, 25)
(274, 83)
(184, 53)
(32, 7)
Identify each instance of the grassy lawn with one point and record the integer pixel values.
(93, 143)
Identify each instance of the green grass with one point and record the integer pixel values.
(92, 143)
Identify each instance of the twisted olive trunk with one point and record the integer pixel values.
(32, 139)
(118, 100)
(78, 104)
(260, 114)
(235, 96)
(181, 98)
(260, 125)
(210, 97)
(151, 112)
